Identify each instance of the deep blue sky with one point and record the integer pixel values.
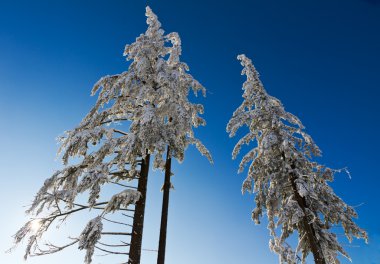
(320, 58)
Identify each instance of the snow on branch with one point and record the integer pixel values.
(90, 236)
(122, 199)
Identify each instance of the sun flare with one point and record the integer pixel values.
(35, 225)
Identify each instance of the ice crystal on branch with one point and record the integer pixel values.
(288, 184)
(122, 199)
(90, 236)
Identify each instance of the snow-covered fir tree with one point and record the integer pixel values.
(289, 185)
(138, 113)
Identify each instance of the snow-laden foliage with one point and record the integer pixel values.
(140, 111)
(122, 199)
(89, 237)
(153, 96)
(289, 185)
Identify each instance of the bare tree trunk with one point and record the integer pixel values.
(165, 209)
(138, 219)
(310, 232)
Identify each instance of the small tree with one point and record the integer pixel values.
(288, 184)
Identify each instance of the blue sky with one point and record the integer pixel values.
(320, 58)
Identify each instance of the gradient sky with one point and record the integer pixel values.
(319, 57)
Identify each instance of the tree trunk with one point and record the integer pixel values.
(138, 219)
(310, 232)
(165, 209)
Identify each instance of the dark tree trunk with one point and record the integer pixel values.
(138, 219)
(310, 232)
(165, 209)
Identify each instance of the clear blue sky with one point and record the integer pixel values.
(320, 57)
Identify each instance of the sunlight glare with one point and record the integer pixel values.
(35, 225)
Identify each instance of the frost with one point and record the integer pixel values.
(89, 237)
(122, 200)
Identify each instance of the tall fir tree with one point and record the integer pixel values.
(168, 115)
(289, 185)
(138, 113)
(178, 116)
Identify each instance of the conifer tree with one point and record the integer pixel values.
(178, 117)
(289, 185)
(138, 114)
